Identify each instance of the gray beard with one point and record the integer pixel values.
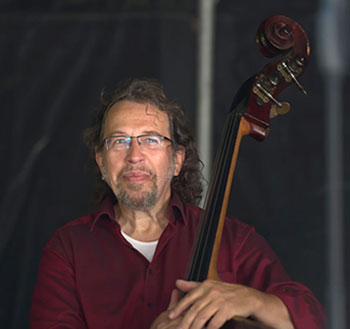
(145, 202)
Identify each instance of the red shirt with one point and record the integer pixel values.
(91, 277)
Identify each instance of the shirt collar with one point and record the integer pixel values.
(176, 210)
(106, 210)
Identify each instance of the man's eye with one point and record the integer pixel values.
(120, 141)
(151, 140)
(117, 142)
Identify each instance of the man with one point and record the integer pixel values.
(122, 266)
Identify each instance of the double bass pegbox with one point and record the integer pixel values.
(264, 88)
(277, 35)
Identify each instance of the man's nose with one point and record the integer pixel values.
(134, 152)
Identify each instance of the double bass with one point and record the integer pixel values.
(253, 106)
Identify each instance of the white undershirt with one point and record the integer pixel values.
(145, 248)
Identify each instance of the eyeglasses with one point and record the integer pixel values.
(149, 142)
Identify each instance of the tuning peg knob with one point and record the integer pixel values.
(279, 110)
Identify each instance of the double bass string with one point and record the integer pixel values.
(210, 218)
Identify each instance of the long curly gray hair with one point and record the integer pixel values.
(188, 184)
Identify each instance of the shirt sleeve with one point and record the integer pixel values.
(259, 267)
(55, 302)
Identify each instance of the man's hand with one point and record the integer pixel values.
(163, 321)
(214, 303)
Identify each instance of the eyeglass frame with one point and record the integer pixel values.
(128, 144)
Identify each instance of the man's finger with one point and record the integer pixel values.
(197, 315)
(192, 295)
(186, 286)
(174, 298)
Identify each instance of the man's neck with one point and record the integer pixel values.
(142, 225)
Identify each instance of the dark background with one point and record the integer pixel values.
(56, 56)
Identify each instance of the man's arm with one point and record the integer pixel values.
(259, 287)
(55, 302)
(217, 302)
(258, 266)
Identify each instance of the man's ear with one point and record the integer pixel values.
(99, 159)
(179, 159)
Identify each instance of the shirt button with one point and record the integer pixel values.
(150, 304)
(150, 271)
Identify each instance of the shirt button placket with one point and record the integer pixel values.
(149, 291)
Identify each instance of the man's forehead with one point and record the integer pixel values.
(127, 113)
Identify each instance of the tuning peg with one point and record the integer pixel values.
(267, 95)
(279, 110)
(292, 75)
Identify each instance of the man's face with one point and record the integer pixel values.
(140, 178)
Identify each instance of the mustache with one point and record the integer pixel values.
(136, 168)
